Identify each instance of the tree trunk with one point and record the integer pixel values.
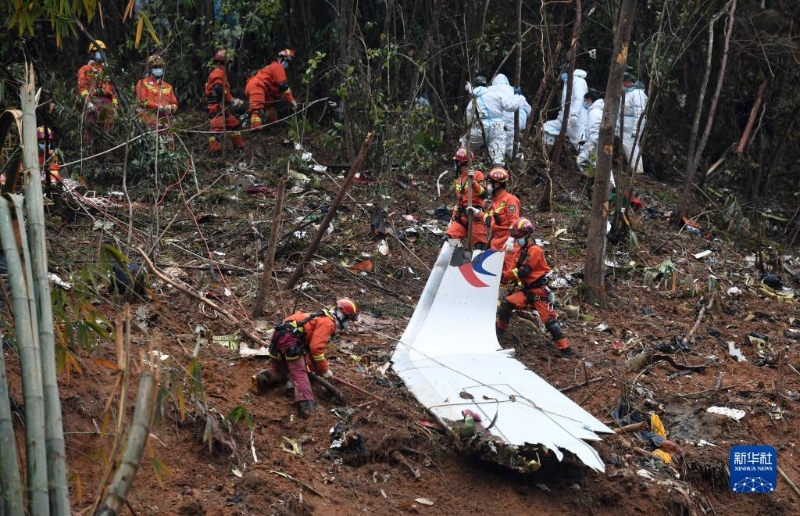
(751, 121)
(517, 82)
(263, 290)
(689, 181)
(567, 107)
(596, 240)
(345, 27)
(56, 459)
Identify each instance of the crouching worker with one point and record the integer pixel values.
(298, 347)
(529, 275)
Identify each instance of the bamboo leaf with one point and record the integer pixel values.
(181, 404)
(150, 29)
(106, 364)
(128, 10)
(160, 470)
(139, 28)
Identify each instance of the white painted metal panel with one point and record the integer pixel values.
(449, 352)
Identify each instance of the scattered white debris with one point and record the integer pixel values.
(645, 474)
(703, 442)
(735, 414)
(735, 352)
(734, 291)
(703, 254)
(383, 247)
(237, 472)
(58, 281)
(424, 501)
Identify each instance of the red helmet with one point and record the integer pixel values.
(461, 155)
(286, 53)
(499, 175)
(348, 307)
(223, 56)
(520, 228)
(42, 135)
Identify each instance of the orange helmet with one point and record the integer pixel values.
(461, 155)
(41, 134)
(520, 228)
(286, 53)
(348, 307)
(155, 61)
(499, 175)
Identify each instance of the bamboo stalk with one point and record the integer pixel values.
(9, 465)
(27, 345)
(37, 244)
(137, 439)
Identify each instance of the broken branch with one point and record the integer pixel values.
(289, 477)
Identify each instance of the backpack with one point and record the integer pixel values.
(288, 339)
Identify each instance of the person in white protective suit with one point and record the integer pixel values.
(577, 120)
(587, 154)
(500, 82)
(635, 107)
(488, 128)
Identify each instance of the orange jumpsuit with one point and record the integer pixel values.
(94, 87)
(504, 210)
(218, 93)
(530, 277)
(263, 90)
(51, 165)
(458, 224)
(154, 94)
(317, 332)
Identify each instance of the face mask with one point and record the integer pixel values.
(285, 64)
(564, 76)
(41, 147)
(520, 241)
(586, 107)
(158, 73)
(98, 57)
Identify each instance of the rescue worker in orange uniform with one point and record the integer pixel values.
(298, 345)
(475, 181)
(157, 101)
(49, 168)
(529, 279)
(504, 209)
(267, 87)
(99, 97)
(218, 99)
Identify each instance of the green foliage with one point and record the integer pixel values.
(237, 414)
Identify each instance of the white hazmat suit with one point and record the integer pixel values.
(587, 155)
(500, 82)
(577, 120)
(635, 107)
(492, 104)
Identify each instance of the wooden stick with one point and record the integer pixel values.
(402, 460)
(582, 384)
(263, 289)
(357, 388)
(312, 247)
(284, 475)
(635, 427)
(330, 388)
(788, 481)
(748, 129)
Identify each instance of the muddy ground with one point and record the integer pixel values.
(398, 464)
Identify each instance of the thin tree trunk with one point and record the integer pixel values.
(689, 182)
(345, 27)
(692, 157)
(596, 240)
(269, 264)
(137, 439)
(12, 497)
(56, 459)
(567, 107)
(751, 121)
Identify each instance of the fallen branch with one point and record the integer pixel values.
(635, 427)
(330, 388)
(788, 481)
(357, 388)
(582, 384)
(284, 475)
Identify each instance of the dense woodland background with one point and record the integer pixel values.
(373, 58)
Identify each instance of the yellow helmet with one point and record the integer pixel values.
(93, 48)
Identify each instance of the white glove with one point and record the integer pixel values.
(473, 210)
(468, 88)
(294, 104)
(236, 102)
(327, 374)
(573, 119)
(510, 245)
(91, 107)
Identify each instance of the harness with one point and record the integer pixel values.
(288, 340)
(539, 283)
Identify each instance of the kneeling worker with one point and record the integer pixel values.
(530, 277)
(298, 346)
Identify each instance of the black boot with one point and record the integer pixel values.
(262, 381)
(305, 408)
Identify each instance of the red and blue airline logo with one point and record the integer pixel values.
(471, 270)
